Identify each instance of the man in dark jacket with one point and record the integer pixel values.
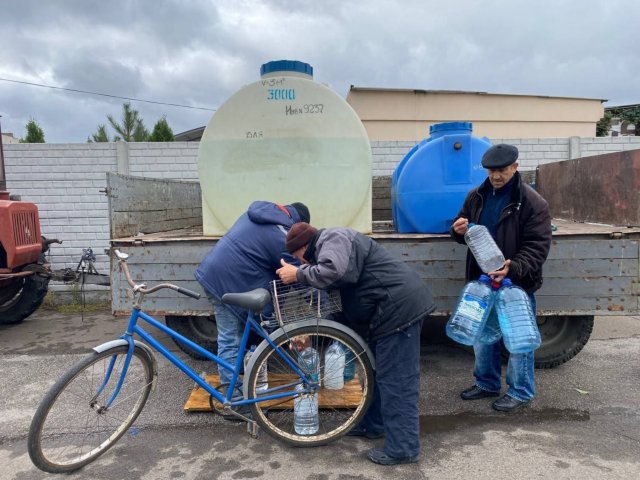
(245, 258)
(383, 297)
(519, 221)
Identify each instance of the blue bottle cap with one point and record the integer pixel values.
(286, 66)
(484, 278)
(506, 282)
(451, 126)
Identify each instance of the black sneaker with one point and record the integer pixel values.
(243, 410)
(361, 432)
(377, 455)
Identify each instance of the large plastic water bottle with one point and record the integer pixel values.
(334, 359)
(517, 319)
(349, 365)
(305, 412)
(491, 333)
(263, 382)
(471, 312)
(484, 248)
(310, 363)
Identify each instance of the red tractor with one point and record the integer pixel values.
(24, 274)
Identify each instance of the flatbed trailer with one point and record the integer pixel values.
(592, 269)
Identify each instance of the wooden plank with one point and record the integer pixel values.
(348, 397)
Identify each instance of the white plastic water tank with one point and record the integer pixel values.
(286, 139)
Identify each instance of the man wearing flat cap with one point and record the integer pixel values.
(245, 258)
(386, 301)
(518, 219)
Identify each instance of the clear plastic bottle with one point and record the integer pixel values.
(471, 312)
(334, 359)
(263, 379)
(305, 412)
(349, 365)
(491, 333)
(310, 362)
(517, 319)
(484, 248)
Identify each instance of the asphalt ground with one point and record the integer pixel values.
(583, 424)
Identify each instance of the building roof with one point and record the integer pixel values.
(457, 92)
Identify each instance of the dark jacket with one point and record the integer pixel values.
(249, 254)
(523, 232)
(377, 290)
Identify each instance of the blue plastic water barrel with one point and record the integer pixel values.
(429, 185)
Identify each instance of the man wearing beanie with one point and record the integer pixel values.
(386, 301)
(518, 219)
(244, 259)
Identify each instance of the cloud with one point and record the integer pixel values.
(200, 52)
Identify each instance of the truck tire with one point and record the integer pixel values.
(563, 336)
(21, 298)
(200, 330)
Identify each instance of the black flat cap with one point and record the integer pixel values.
(499, 156)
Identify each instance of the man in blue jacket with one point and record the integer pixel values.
(245, 258)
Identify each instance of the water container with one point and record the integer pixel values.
(429, 185)
(309, 361)
(484, 248)
(334, 360)
(286, 138)
(471, 312)
(263, 380)
(517, 319)
(491, 333)
(305, 412)
(349, 365)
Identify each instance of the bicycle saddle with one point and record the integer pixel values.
(255, 300)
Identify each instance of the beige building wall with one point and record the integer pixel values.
(390, 114)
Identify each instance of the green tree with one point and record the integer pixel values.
(132, 128)
(604, 125)
(100, 136)
(34, 133)
(161, 132)
(631, 115)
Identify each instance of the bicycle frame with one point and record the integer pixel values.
(251, 324)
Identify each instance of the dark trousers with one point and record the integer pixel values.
(394, 409)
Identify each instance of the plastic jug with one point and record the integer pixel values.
(471, 312)
(491, 333)
(334, 360)
(305, 412)
(310, 363)
(263, 383)
(517, 319)
(484, 248)
(349, 365)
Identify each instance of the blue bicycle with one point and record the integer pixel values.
(94, 403)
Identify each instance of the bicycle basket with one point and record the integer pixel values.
(295, 302)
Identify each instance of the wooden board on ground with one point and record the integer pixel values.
(348, 397)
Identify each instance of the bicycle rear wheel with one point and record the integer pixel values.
(339, 409)
(71, 427)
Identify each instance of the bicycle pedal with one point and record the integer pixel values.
(253, 429)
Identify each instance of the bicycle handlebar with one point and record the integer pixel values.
(142, 288)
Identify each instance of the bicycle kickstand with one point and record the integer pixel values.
(253, 429)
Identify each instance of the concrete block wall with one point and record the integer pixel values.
(65, 180)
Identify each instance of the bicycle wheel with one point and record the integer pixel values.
(70, 428)
(338, 409)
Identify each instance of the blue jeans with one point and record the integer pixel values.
(230, 330)
(520, 369)
(394, 409)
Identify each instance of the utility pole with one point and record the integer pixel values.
(3, 180)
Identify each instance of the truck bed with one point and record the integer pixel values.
(592, 269)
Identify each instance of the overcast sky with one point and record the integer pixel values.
(199, 52)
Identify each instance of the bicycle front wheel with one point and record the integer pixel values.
(72, 427)
(338, 408)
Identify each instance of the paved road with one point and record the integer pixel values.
(584, 423)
